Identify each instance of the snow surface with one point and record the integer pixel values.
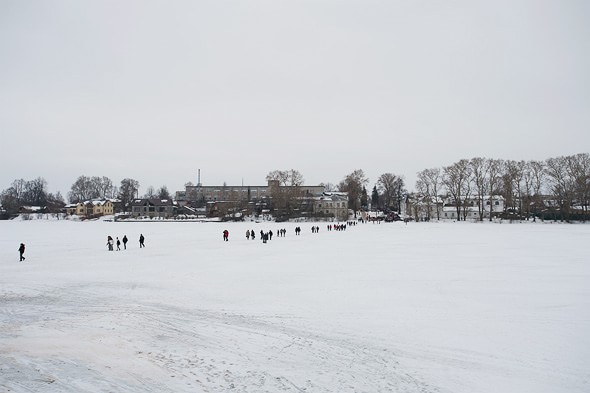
(423, 307)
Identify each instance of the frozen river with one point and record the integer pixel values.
(423, 307)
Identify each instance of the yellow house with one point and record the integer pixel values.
(95, 208)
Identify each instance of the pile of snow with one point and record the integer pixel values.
(422, 307)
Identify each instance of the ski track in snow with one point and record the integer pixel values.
(190, 349)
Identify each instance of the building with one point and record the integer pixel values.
(153, 208)
(422, 208)
(470, 208)
(331, 204)
(199, 194)
(283, 201)
(93, 208)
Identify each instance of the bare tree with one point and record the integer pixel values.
(431, 183)
(561, 183)
(81, 190)
(353, 184)
(285, 190)
(55, 202)
(102, 187)
(290, 177)
(536, 178)
(150, 192)
(514, 185)
(457, 178)
(22, 193)
(328, 187)
(388, 185)
(579, 171)
(495, 168)
(36, 192)
(424, 197)
(128, 191)
(479, 169)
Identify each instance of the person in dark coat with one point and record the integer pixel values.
(110, 243)
(125, 242)
(225, 235)
(141, 241)
(21, 250)
(118, 244)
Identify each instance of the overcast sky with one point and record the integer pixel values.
(155, 90)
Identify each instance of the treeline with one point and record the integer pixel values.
(560, 184)
(388, 193)
(29, 193)
(526, 186)
(24, 193)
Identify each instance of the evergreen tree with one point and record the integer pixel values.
(375, 198)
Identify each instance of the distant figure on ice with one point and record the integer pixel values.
(21, 250)
(141, 240)
(247, 234)
(125, 242)
(252, 234)
(118, 244)
(110, 243)
(225, 235)
(270, 234)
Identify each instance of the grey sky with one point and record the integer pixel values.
(154, 90)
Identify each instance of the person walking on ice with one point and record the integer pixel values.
(110, 243)
(141, 241)
(125, 242)
(21, 250)
(118, 244)
(225, 235)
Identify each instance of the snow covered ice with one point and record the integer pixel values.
(423, 307)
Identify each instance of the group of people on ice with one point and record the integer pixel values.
(111, 243)
(265, 236)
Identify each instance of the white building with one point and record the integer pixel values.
(470, 209)
(332, 204)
